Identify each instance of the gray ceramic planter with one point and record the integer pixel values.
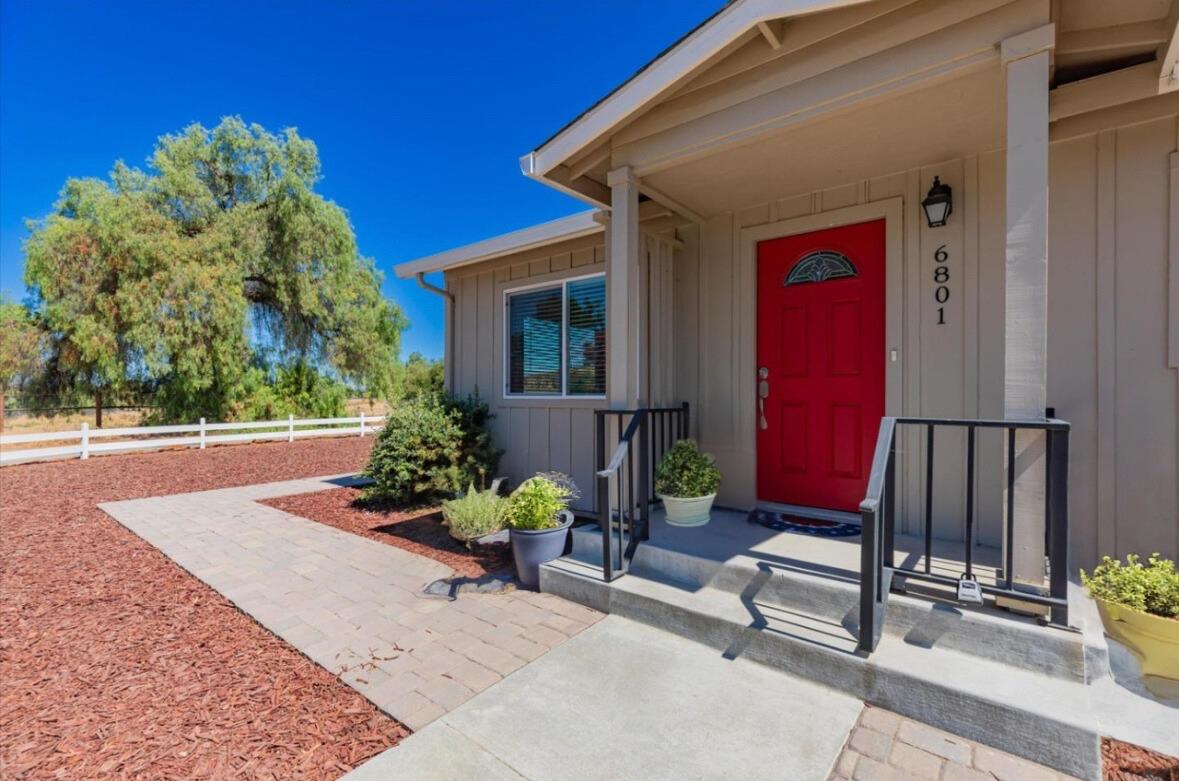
(532, 548)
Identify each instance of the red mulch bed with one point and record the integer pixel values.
(1127, 762)
(115, 663)
(418, 530)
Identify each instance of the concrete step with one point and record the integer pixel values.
(833, 597)
(1041, 717)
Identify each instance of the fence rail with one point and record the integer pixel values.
(199, 434)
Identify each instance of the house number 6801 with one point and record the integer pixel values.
(941, 278)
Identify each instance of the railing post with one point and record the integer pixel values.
(291, 427)
(1057, 520)
(603, 486)
(85, 440)
(888, 516)
(869, 581)
(202, 433)
(362, 424)
(646, 464)
(687, 421)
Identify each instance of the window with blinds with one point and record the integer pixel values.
(556, 340)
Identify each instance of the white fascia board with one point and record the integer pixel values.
(572, 227)
(696, 49)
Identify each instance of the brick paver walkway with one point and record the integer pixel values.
(886, 747)
(352, 604)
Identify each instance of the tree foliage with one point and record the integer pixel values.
(422, 378)
(217, 262)
(21, 343)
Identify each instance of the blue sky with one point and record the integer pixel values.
(420, 110)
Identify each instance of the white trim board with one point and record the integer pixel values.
(572, 227)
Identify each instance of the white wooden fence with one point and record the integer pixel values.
(90, 441)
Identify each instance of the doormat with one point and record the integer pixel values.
(783, 522)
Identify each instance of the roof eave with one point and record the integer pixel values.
(553, 232)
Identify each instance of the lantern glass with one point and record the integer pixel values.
(938, 204)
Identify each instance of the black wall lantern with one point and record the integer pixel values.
(938, 204)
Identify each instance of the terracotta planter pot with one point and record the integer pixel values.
(531, 548)
(1154, 638)
(688, 511)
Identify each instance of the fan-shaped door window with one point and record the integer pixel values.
(820, 266)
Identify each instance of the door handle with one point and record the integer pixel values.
(763, 391)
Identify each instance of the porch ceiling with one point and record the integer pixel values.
(920, 128)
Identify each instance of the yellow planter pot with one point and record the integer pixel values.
(1156, 639)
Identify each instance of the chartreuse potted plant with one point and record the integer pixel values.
(1139, 605)
(687, 480)
(538, 519)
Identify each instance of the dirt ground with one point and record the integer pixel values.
(416, 530)
(116, 663)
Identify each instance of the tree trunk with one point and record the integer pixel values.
(98, 409)
(1, 412)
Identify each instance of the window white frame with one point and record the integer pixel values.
(563, 285)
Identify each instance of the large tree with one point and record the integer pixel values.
(219, 258)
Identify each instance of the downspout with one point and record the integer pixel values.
(448, 328)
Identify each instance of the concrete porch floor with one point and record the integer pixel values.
(730, 535)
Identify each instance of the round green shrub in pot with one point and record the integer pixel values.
(1139, 606)
(687, 480)
(538, 517)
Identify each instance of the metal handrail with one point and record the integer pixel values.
(649, 433)
(878, 519)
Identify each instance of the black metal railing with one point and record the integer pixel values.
(624, 484)
(878, 518)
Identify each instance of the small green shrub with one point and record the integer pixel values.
(430, 448)
(1151, 588)
(478, 457)
(535, 503)
(686, 473)
(475, 513)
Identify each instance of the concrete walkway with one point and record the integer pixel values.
(626, 701)
(351, 604)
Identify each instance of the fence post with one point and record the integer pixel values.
(85, 439)
(362, 424)
(291, 427)
(202, 433)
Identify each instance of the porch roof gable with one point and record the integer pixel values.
(660, 75)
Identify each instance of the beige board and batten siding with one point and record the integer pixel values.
(544, 434)
(1113, 326)
(1112, 317)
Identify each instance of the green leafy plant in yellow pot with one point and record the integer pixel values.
(1139, 606)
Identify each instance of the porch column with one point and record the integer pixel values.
(1025, 62)
(622, 284)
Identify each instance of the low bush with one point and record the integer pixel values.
(535, 504)
(1151, 588)
(685, 472)
(430, 448)
(475, 514)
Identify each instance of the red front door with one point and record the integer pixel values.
(820, 363)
